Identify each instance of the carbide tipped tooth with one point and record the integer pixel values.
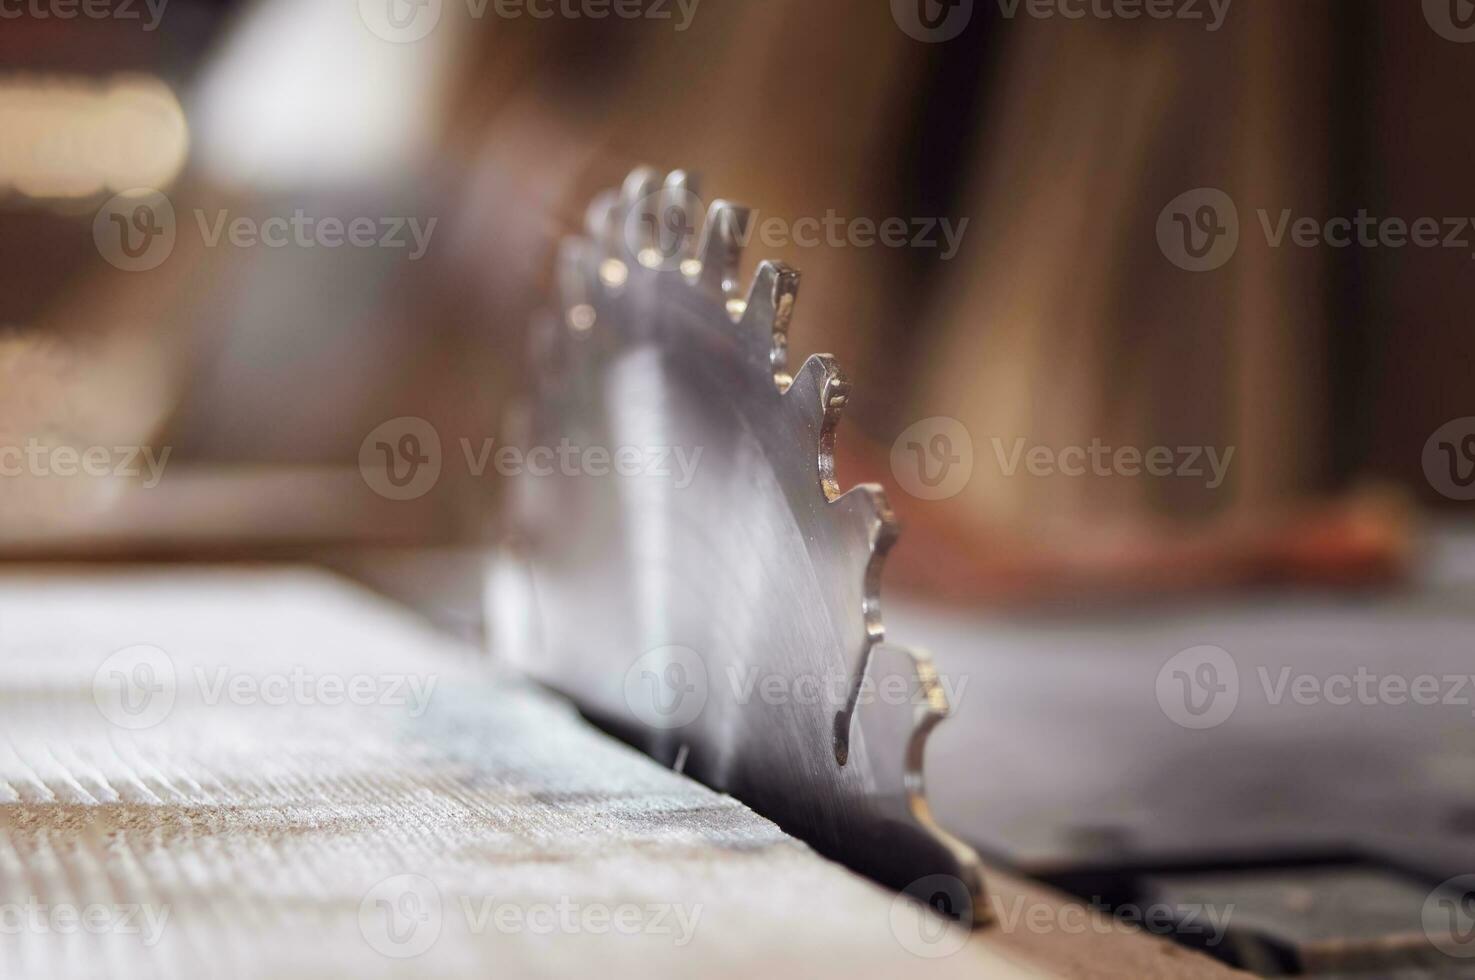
(600, 215)
(721, 249)
(683, 181)
(820, 382)
(819, 393)
(896, 742)
(767, 314)
(639, 184)
(680, 213)
(933, 695)
(637, 214)
(862, 516)
(576, 261)
(867, 508)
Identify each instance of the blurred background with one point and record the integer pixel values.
(1050, 146)
(1172, 314)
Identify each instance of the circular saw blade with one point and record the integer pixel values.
(699, 583)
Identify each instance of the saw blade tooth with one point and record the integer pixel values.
(819, 393)
(721, 249)
(865, 516)
(866, 508)
(599, 216)
(681, 182)
(766, 316)
(639, 184)
(895, 736)
(679, 217)
(636, 230)
(577, 259)
(934, 695)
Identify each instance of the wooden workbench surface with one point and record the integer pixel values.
(270, 772)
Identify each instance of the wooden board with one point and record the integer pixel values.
(307, 781)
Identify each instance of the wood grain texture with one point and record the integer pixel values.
(261, 830)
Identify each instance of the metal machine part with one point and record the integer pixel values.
(1335, 823)
(698, 581)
